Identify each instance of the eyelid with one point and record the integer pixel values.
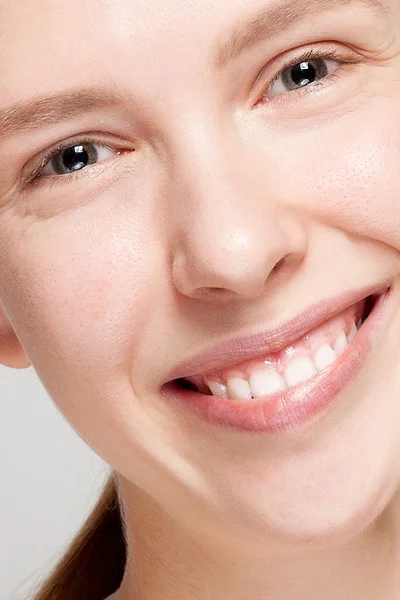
(279, 65)
(31, 174)
(47, 161)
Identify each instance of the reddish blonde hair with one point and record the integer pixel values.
(93, 565)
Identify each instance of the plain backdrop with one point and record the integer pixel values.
(50, 481)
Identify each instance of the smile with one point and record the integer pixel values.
(295, 364)
(288, 383)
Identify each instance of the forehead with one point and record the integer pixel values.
(84, 26)
(97, 22)
(59, 45)
(72, 42)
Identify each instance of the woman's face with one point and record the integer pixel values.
(218, 170)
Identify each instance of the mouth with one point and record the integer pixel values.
(284, 384)
(296, 363)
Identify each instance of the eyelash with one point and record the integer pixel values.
(310, 54)
(35, 178)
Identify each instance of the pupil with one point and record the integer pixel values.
(303, 73)
(75, 158)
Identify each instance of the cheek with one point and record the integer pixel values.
(351, 178)
(83, 297)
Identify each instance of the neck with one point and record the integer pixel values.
(167, 563)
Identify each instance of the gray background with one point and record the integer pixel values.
(50, 480)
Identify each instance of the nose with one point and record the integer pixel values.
(234, 234)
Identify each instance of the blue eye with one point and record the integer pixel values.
(302, 74)
(75, 158)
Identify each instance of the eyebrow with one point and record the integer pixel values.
(36, 113)
(270, 22)
(39, 112)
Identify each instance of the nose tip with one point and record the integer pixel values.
(235, 263)
(230, 229)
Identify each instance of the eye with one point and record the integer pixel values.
(301, 74)
(74, 158)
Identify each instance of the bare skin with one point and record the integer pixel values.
(219, 202)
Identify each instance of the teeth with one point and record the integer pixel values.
(266, 381)
(340, 344)
(298, 369)
(352, 333)
(217, 389)
(239, 389)
(324, 357)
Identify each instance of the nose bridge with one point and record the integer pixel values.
(214, 174)
(230, 231)
(218, 177)
(223, 202)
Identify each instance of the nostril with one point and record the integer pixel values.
(281, 263)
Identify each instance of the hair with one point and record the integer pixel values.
(93, 565)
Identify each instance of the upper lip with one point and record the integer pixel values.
(232, 352)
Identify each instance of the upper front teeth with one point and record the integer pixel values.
(264, 380)
(340, 344)
(299, 369)
(324, 357)
(218, 389)
(239, 389)
(352, 333)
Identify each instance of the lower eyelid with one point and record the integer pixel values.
(36, 181)
(36, 177)
(291, 96)
(343, 57)
(332, 63)
(59, 152)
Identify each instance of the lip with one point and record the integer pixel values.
(229, 354)
(293, 406)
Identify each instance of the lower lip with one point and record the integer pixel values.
(297, 405)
